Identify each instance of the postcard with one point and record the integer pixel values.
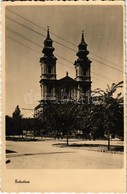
(63, 96)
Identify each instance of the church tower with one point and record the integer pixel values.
(48, 69)
(82, 67)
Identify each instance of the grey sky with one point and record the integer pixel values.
(103, 29)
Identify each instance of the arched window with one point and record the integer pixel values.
(76, 72)
(66, 94)
(67, 91)
(49, 69)
(84, 72)
(49, 90)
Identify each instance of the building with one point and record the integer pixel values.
(65, 88)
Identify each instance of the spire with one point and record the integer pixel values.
(82, 40)
(48, 43)
(82, 52)
(48, 48)
(48, 35)
(66, 73)
(82, 48)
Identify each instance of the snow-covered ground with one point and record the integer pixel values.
(45, 155)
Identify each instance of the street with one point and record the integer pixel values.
(49, 155)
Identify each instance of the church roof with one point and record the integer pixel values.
(67, 79)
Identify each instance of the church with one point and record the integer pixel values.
(66, 88)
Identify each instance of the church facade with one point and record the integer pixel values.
(66, 88)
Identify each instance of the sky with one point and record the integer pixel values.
(103, 31)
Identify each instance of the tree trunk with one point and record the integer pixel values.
(67, 138)
(108, 140)
(33, 133)
(40, 134)
(83, 135)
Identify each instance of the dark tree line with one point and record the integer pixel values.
(17, 125)
(100, 117)
(13, 124)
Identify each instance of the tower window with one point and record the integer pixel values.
(49, 90)
(84, 72)
(49, 93)
(76, 72)
(49, 69)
